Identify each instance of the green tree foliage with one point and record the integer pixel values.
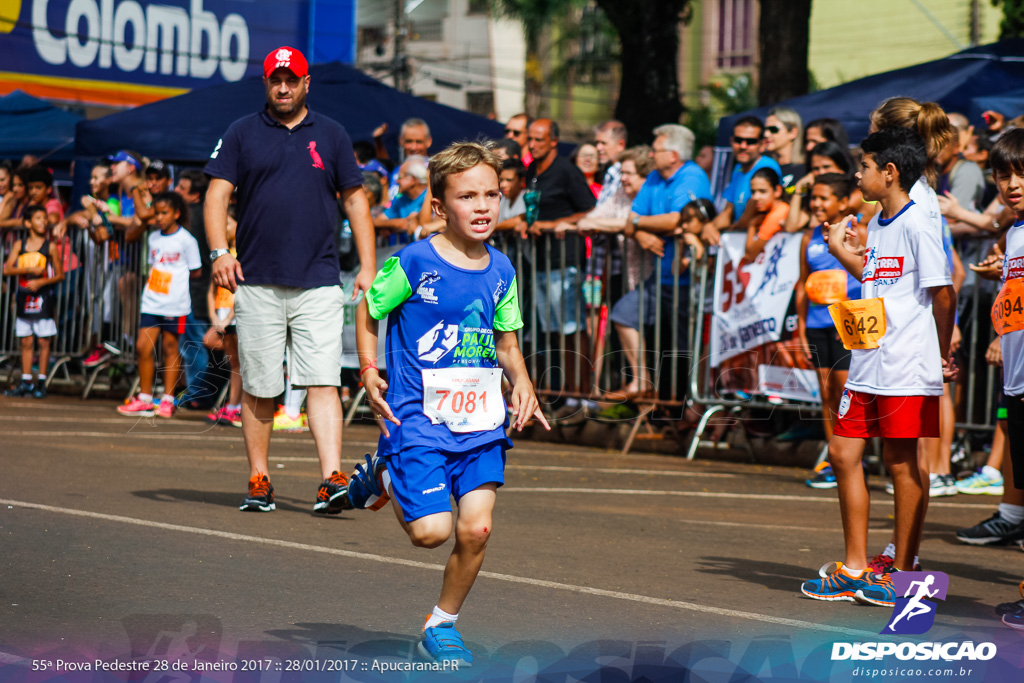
(1012, 25)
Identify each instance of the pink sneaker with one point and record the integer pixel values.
(232, 416)
(98, 355)
(137, 408)
(165, 409)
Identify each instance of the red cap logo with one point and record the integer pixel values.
(288, 58)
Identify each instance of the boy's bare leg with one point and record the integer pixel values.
(257, 425)
(845, 455)
(172, 362)
(148, 337)
(901, 459)
(472, 530)
(44, 355)
(26, 358)
(323, 406)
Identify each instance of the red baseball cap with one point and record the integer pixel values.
(288, 58)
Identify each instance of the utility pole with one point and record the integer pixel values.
(975, 23)
(400, 61)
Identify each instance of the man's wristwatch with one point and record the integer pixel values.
(217, 253)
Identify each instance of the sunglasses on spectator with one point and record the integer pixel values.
(774, 130)
(513, 131)
(746, 141)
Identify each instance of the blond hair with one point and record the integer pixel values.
(459, 158)
(641, 158)
(928, 120)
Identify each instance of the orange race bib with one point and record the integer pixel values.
(860, 323)
(224, 298)
(1008, 310)
(159, 281)
(826, 286)
(32, 259)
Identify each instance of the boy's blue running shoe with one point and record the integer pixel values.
(824, 477)
(366, 487)
(834, 584)
(879, 590)
(1014, 621)
(442, 643)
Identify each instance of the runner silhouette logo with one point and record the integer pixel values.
(914, 612)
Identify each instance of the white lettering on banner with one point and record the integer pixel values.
(751, 299)
(128, 36)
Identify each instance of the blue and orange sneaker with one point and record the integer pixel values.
(834, 584)
(442, 643)
(367, 488)
(823, 477)
(879, 590)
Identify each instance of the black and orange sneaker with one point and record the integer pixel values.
(261, 495)
(332, 496)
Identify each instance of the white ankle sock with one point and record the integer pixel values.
(890, 551)
(1014, 514)
(439, 616)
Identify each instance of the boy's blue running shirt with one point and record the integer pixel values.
(439, 316)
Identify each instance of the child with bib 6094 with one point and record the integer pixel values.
(173, 259)
(899, 336)
(453, 310)
(1006, 263)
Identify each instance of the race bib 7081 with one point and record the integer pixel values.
(464, 399)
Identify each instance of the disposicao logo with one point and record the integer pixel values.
(914, 614)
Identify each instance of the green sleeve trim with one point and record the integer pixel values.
(390, 289)
(508, 316)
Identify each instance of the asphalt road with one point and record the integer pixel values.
(121, 540)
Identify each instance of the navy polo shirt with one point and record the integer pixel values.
(287, 183)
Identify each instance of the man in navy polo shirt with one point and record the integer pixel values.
(746, 151)
(289, 165)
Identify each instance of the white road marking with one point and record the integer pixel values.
(714, 494)
(509, 578)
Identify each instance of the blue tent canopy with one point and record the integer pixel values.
(954, 82)
(1009, 104)
(185, 129)
(32, 126)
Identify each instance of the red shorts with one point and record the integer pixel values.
(862, 416)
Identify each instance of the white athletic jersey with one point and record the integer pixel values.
(924, 196)
(904, 258)
(171, 257)
(1012, 343)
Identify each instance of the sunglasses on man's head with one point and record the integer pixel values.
(513, 131)
(746, 141)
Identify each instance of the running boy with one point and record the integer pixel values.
(166, 303)
(36, 261)
(223, 336)
(454, 309)
(900, 336)
(1007, 163)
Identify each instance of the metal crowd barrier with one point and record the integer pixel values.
(97, 305)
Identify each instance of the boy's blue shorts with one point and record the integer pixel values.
(423, 478)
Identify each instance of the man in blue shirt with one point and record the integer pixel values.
(675, 181)
(746, 151)
(289, 165)
(412, 188)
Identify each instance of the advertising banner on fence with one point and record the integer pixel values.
(754, 320)
(130, 52)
